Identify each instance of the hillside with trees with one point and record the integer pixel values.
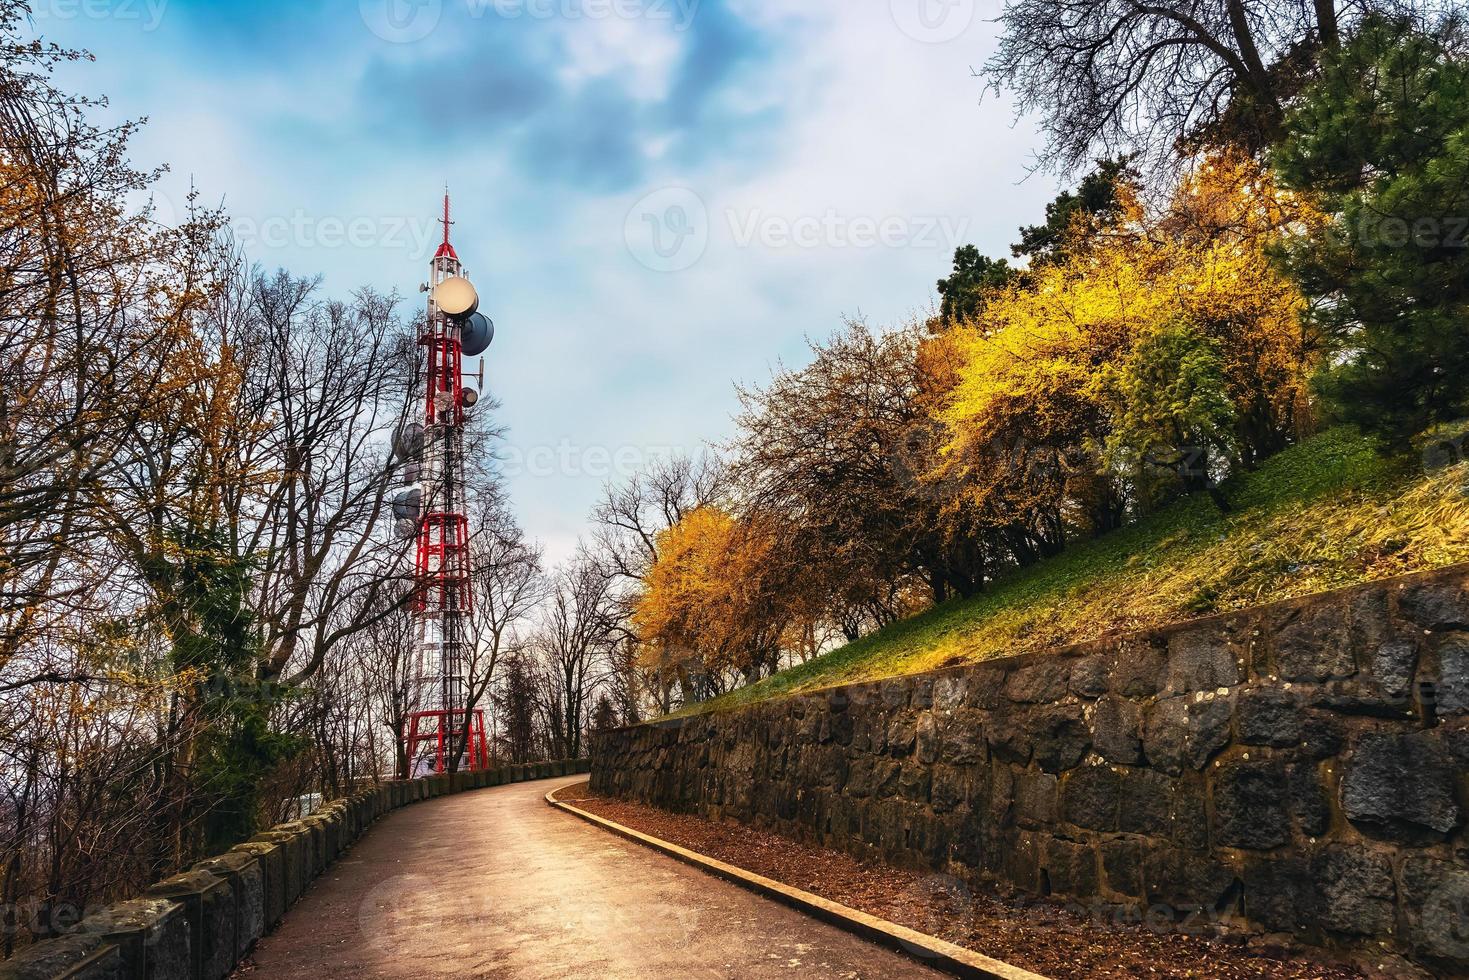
(1227, 367)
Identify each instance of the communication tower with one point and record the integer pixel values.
(442, 734)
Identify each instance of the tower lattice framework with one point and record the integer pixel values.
(441, 734)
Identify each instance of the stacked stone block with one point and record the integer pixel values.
(1298, 767)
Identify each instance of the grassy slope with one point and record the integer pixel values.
(1327, 513)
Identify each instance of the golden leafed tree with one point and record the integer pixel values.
(708, 598)
(1056, 368)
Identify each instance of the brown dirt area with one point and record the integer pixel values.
(1060, 940)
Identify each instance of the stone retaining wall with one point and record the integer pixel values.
(199, 925)
(1295, 768)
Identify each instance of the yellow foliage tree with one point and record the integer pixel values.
(1036, 393)
(707, 602)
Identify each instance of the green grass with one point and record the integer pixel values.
(1327, 513)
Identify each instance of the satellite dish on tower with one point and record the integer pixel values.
(408, 442)
(476, 333)
(456, 297)
(408, 505)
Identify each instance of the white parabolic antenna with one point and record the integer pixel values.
(456, 297)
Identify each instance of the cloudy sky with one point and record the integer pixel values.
(656, 198)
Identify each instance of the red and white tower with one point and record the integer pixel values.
(442, 733)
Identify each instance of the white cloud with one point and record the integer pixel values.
(592, 347)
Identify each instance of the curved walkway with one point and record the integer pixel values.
(494, 883)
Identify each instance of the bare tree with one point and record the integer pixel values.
(95, 303)
(575, 635)
(834, 454)
(1123, 76)
(516, 697)
(627, 679)
(384, 653)
(333, 377)
(626, 525)
(630, 517)
(200, 595)
(506, 584)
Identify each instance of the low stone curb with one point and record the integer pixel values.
(200, 924)
(929, 950)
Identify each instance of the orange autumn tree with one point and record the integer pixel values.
(709, 603)
(1165, 351)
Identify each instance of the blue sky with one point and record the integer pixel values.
(656, 198)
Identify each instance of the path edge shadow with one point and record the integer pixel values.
(921, 947)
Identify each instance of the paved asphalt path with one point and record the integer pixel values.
(494, 883)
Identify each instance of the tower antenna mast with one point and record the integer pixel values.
(443, 734)
(447, 222)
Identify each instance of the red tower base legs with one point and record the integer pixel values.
(428, 742)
